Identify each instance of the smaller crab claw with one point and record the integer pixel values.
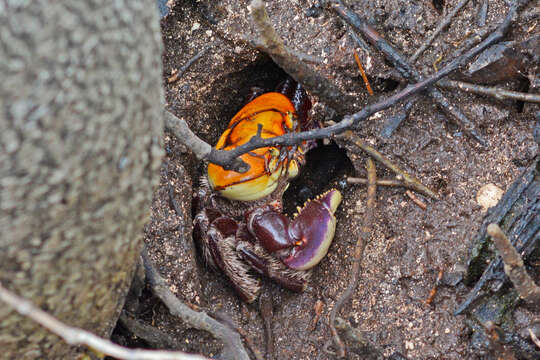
(303, 242)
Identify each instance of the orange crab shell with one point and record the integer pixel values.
(275, 112)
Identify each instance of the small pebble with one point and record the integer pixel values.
(488, 196)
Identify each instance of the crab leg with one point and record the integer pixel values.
(227, 260)
(267, 265)
(216, 237)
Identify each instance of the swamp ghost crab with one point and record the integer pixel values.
(239, 227)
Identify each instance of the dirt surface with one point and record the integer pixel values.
(409, 245)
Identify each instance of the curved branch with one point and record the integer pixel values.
(363, 238)
(76, 336)
(234, 350)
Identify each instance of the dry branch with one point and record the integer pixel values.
(409, 180)
(513, 266)
(178, 74)
(380, 182)
(76, 336)
(482, 13)
(233, 349)
(497, 93)
(271, 43)
(422, 205)
(534, 338)
(363, 238)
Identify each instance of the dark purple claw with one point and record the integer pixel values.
(270, 228)
(314, 229)
(302, 242)
(226, 226)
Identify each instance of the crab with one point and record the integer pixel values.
(238, 225)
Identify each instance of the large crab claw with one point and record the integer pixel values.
(303, 242)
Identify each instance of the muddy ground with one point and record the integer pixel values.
(409, 245)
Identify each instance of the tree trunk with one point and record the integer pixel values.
(80, 124)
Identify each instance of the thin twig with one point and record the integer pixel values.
(271, 43)
(76, 336)
(393, 121)
(228, 159)
(411, 181)
(178, 74)
(363, 73)
(534, 338)
(498, 93)
(391, 183)
(258, 43)
(442, 25)
(482, 13)
(380, 182)
(422, 205)
(233, 348)
(363, 238)
(433, 291)
(318, 309)
(513, 266)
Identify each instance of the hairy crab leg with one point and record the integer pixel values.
(269, 266)
(215, 236)
(226, 258)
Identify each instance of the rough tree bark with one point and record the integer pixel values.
(80, 123)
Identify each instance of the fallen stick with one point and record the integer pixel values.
(497, 93)
(233, 348)
(514, 267)
(271, 43)
(408, 179)
(361, 242)
(76, 336)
